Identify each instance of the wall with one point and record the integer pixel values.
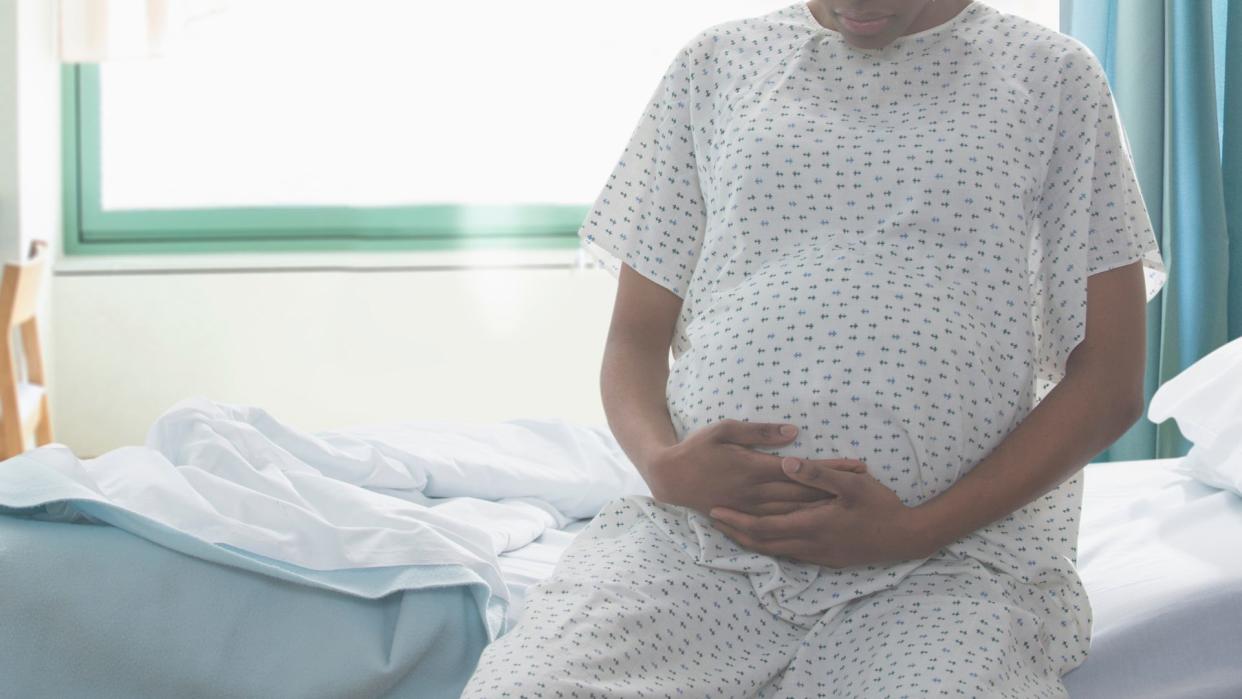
(322, 348)
(29, 125)
(9, 187)
(38, 108)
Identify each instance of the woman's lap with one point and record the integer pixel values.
(934, 634)
(629, 613)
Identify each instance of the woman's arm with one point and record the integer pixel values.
(1099, 398)
(635, 368)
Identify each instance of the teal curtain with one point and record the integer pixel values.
(1175, 67)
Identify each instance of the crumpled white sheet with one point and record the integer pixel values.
(429, 492)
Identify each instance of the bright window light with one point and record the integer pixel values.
(392, 102)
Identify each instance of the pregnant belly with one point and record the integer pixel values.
(872, 359)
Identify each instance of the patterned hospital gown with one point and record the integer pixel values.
(888, 248)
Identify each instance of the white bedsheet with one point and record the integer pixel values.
(533, 562)
(1161, 557)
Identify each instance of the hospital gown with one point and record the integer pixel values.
(889, 249)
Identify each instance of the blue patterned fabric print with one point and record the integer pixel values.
(888, 248)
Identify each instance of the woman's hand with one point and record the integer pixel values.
(715, 467)
(865, 523)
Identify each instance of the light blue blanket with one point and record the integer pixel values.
(140, 609)
(94, 611)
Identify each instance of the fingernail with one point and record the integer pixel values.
(790, 464)
(789, 430)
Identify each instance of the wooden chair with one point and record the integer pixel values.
(23, 404)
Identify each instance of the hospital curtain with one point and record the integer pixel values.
(1175, 67)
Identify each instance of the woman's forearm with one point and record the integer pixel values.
(632, 387)
(1078, 418)
(1098, 399)
(635, 369)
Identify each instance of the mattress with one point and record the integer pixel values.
(1161, 557)
(94, 611)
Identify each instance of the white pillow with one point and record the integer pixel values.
(1206, 401)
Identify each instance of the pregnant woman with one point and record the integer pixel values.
(900, 256)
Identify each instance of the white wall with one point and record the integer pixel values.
(324, 349)
(9, 186)
(29, 126)
(38, 108)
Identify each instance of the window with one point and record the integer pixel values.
(371, 124)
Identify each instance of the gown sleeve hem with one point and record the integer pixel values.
(611, 259)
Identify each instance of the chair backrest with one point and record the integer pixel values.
(19, 290)
(21, 407)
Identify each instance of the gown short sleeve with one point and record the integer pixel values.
(650, 214)
(1090, 215)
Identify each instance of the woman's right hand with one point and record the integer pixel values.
(716, 466)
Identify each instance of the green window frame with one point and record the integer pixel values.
(91, 230)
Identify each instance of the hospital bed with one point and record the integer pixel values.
(91, 610)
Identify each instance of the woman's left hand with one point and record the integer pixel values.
(865, 523)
